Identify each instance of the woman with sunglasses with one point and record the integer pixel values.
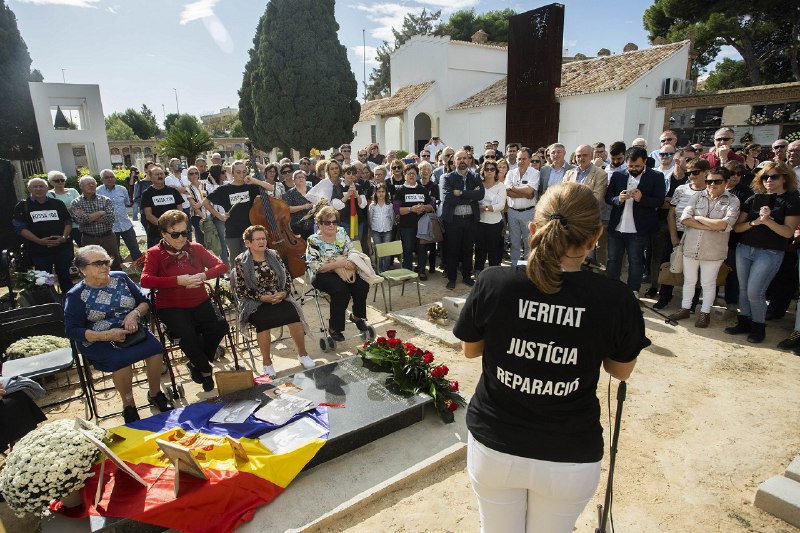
(195, 193)
(751, 157)
(766, 223)
(327, 251)
(396, 177)
(271, 177)
(104, 308)
(65, 195)
(489, 239)
(178, 268)
(708, 221)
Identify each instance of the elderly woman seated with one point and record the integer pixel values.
(326, 251)
(100, 312)
(264, 292)
(178, 268)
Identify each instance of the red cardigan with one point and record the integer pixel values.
(160, 272)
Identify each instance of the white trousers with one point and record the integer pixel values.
(517, 494)
(708, 281)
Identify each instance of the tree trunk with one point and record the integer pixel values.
(745, 48)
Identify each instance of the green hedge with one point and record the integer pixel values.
(72, 181)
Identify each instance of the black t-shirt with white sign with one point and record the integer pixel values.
(761, 236)
(43, 220)
(408, 197)
(242, 197)
(537, 396)
(161, 200)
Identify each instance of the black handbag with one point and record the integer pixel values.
(132, 339)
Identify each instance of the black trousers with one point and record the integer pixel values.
(340, 293)
(200, 330)
(459, 240)
(489, 242)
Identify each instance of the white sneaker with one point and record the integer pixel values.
(307, 362)
(269, 370)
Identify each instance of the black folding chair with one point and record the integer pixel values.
(47, 319)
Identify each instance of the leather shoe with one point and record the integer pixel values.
(791, 342)
(652, 292)
(337, 336)
(160, 400)
(423, 276)
(680, 315)
(451, 285)
(662, 302)
(468, 281)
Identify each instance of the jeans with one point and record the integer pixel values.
(379, 237)
(755, 268)
(708, 282)
(198, 233)
(129, 238)
(518, 231)
(61, 259)
(220, 225)
(188, 212)
(633, 244)
(410, 245)
(136, 211)
(520, 494)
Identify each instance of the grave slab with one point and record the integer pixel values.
(793, 470)
(780, 496)
(453, 305)
(417, 318)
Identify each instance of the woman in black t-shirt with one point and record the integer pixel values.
(535, 439)
(765, 225)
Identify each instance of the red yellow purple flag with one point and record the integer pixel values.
(234, 488)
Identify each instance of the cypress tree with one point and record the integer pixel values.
(301, 89)
(19, 138)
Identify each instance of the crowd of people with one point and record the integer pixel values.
(723, 207)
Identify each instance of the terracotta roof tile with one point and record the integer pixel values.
(601, 74)
(394, 104)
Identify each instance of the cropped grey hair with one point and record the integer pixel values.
(82, 255)
(53, 174)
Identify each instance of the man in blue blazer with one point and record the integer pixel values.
(462, 189)
(634, 196)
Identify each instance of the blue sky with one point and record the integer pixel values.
(144, 51)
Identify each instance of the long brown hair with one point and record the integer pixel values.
(567, 216)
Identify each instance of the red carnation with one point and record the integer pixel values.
(394, 342)
(451, 405)
(453, 386)
(410, 349)
(391, 333)
(427, 358)
(439, 371)
(381, 341)
(445, 370)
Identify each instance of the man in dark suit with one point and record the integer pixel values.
(634, 196)
(462, 189)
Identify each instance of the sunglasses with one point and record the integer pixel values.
(59, 181)
(694, 172)
(772, 177)
(351, 171)
(490, 157)
(397, 168)
(101, 262)
(193, 174)
(536, 161)
(720, 139)
(780, 146)
(714, 182)
(666, 140)
(176, 234)
(490, 169)
(328, 223)
(283, 172)
(665, 154)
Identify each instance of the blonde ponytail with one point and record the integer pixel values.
(567, 216)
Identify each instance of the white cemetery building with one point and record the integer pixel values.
(457, 90)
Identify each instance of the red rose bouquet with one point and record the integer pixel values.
(414, 370)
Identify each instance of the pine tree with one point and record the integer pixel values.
(19, 137)
(301, 89)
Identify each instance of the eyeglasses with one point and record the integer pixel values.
(583, 155)
(721, 139)
(286, 172)
(694, 172)
(101, 263)
(490, 169)
(778, 147)
(662, 141)
(666, 154)
(714, 182)
(397, 168)
(536, 161)
(327, 223)
(176, 234)
(59, 181)
(193, 174)
(362, 155)
(351, 171)
(425, 156)
(772, 177)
